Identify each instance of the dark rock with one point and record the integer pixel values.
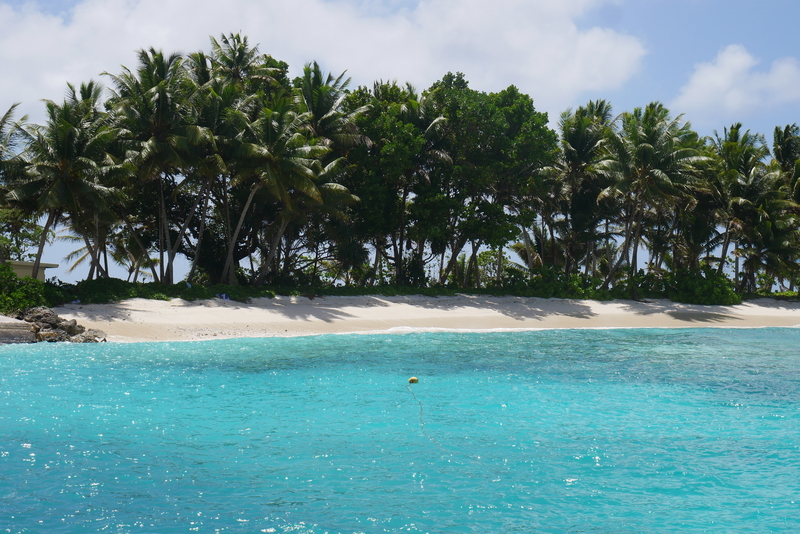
(47, 326)
(73, 328)
(89, 336)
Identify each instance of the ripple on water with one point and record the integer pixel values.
(680, 430)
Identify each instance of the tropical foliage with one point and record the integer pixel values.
(260, 180)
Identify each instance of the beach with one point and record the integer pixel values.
(137, 320)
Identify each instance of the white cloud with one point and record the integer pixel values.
(731, 89)
(534, 44)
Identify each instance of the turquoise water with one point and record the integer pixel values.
(686, 430)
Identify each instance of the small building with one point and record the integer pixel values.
(25, 268)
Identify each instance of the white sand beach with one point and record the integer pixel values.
(177, 320)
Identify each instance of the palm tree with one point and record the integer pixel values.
(786, 147)
(786, 151)
(768, 239)
(154, 109)
(739, 180)
(278, 158)
(10, 162)
(648, 160)
(234, 60)
(10, 136)
(69, 165)
(583, 137)
(322, 96)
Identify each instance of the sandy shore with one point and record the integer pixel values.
(151, 320)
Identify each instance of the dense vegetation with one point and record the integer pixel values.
(262, 181)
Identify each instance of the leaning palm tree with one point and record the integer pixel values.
(69, 164)
(11, 164)
(648, 160)
(153, 108)
(278, 158)
(10, 137)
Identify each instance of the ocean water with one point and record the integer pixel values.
(630, 430)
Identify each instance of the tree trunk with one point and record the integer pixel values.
(499, 277)
(623, 253)
(456, 250)
(141, 246)
(725, 245)
(529, 252)
(272, 251)
(399, 268)
(472, 267)
(94, 254)
(161, 223)
(228, 269)
(637, 232)
(52, 218)
(174, 250)
(375, 266)
(190, 278)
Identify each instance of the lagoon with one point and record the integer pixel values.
(619, 430)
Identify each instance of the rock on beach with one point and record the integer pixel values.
(47, 326)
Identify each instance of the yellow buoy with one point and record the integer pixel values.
(413, 380)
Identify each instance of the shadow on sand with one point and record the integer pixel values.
(517, 308)
(680, 312)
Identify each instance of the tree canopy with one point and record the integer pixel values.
(259, 179)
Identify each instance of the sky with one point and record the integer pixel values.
(714, 61)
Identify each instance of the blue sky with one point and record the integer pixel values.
(715, 61)
(561, 52)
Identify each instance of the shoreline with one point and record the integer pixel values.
(138, 320)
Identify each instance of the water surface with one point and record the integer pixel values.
(630, 430)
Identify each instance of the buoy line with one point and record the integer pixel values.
(421, 420)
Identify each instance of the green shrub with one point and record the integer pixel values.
(701, 286)
(105, 290)
(17, 293)
(704, 286)
(57, 293)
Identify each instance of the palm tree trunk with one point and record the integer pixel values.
(399, 268)
(637, 234)
(456, 249)
(141, 246)
(375, 266)
(105, 258)
(161, 229)
(94, 255)
(199, 237)
(272, 251)
(52, 217)
(499, 277)
(167, 279)
(725, 245)
(174, 250)
(136, 266)
(228, 269)
(526, 240)
(623, 253)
